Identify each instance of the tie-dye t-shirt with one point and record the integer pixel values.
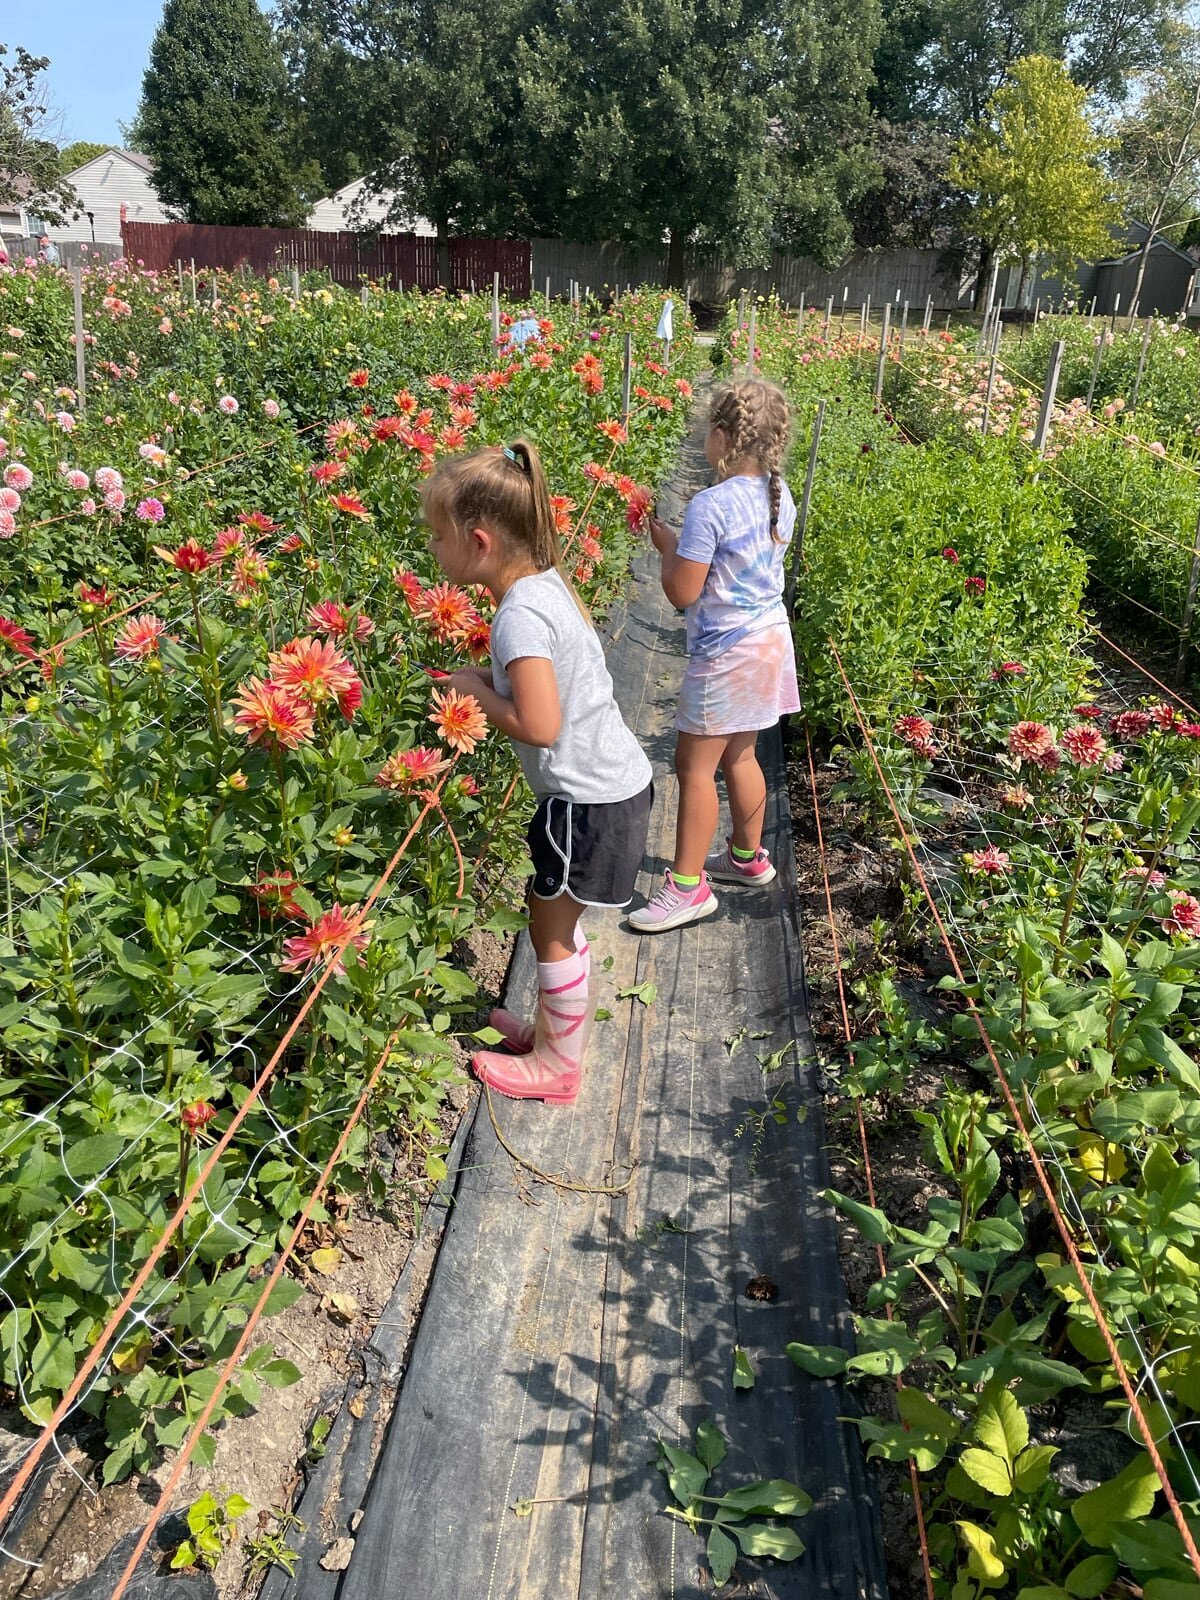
(728, 528)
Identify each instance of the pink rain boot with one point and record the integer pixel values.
(519, 1034)
(551, 1070)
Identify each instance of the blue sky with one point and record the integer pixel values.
(98, 54)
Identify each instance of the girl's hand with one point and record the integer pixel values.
(467, 680)
(663, 536)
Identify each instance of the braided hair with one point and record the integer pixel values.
(755, 418)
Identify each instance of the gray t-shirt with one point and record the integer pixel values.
(595, 758)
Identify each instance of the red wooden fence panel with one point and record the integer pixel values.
(404, 260)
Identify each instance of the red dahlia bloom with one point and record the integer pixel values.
(314, 669)
(95, 597)
(913, 729)
(1131, 724)
(350, 504)
(191, 556)
(359, 378)
(459, 719)
(16, 638)
(974, 585)
(198, 1115)
(139, 638)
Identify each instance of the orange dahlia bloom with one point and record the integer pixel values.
(447, 610)
(408, 768)
(350, 504)
(313, 668)
(138, 638)
(459, 719)
(616, 431)
(325, 941)
(272, 714)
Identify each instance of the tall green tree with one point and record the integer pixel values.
(29, 166)
(1156, 146)
(418, 96)
(733, 127)
(75, 155)
(215, 117)
(1034, 167)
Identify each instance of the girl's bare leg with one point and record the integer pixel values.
(697, 757)
(552, 926)
(747, 790)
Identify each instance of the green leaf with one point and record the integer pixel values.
(685, 1473)
(983, 1562)
(1125, 1498)
(710, 1445)
(743, 1372)
(90, 1156)
(871, 1223)
(1170, 1589)
(279, 1374)
(647, 993)
(1032, 1467)
(925, 1415)
(757, 1539)
(722, 1553)
(773, 1497)
(821, 1360)
(1091, 1577)
(990, 1472)
(52, 1362)
(1001, 1426)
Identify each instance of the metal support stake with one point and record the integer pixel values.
(1141, 366)
(928, 313)
(883, 351)
(1096, 361)
(627, 378)
(495, 309)
(805, 503)
(752, 339)
(193, 271)
(1042, 431)
(828, 318)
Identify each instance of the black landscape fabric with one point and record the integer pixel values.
(566, 1334)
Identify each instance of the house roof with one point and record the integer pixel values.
(1137, 231)
(1159, 244)
(134, 157)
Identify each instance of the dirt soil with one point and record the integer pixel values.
(77, 1521)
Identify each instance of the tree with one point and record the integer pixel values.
(29, 169)
(73, 156)
(214, 117)
(734, 127)
(942, 60)
(1157, 146)
(1034, 167)
(420, 97)
(913, 205)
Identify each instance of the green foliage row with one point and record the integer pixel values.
(157, 862)
(1070, 887)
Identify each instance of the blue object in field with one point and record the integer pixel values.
(664, 330)
(521, 332)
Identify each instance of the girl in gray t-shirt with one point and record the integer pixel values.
(548, 688)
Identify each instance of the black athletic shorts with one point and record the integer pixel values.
(591, 852)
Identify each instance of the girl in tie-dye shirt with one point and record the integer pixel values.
(726, 570)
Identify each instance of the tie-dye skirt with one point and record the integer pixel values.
(749, 686)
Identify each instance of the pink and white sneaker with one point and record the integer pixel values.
(672, 906)
(726, 868)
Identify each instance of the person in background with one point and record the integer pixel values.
(48, 250)
(726, 571)
(524, 329)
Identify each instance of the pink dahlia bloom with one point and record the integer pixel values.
(228, 406)
(1184, 918)
(10, 500)
(1029, 740)
(1131, 724)
(150, 510)
(1084, 744)
(17, 476)
(108, 478)
(989, 861)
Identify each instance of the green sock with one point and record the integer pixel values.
(742, 855)
(682, 882)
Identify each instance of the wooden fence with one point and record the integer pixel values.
(404, 260)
